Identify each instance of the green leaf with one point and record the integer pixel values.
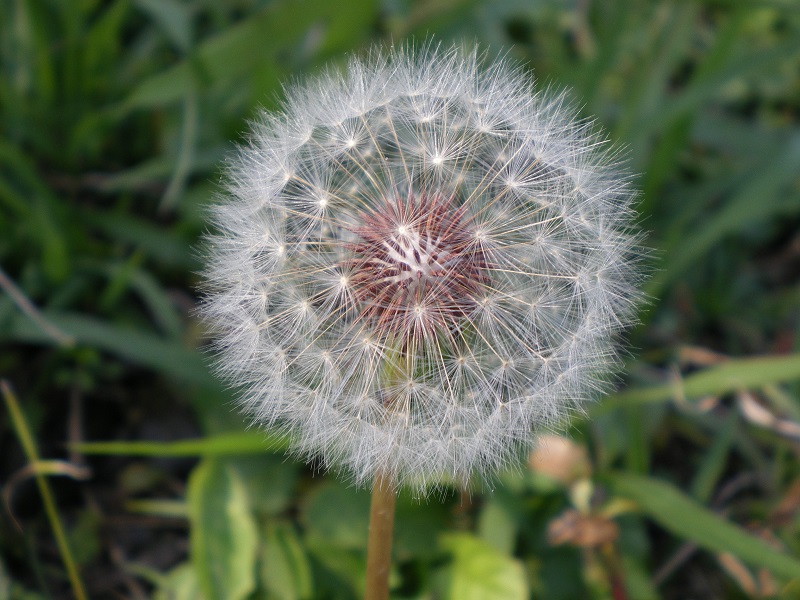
(715, 459)
(157, 299)
(42, 222)
(732, 375)
(240, 49)
(270, 480)
(186, 151)
(342, 571)
(765, 195)
(480, 572)
(678, 513)
(711, 81)
(141, 347)
(417, 527)
(498, 525)
(170, 509)
(101, 46)
(230, 444)
(667, 43)
(338, 515)
(285, 571)
(179, 584)
(223, 536)
(173, 17)
(638, 582)
(159, 243)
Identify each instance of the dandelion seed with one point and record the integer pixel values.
(420, 266)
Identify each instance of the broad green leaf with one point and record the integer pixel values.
(417, 526)
(339, 515)
(497, 525)
(558, 575)
(480, 572)
(732, 375)
(223, 538)
(678, 513)
(345, 570)
(229, 444)
(179, 584)
(85, 537)
(285, 571)
(637, 450)
(270, 480)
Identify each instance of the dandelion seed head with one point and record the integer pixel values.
(421, 264)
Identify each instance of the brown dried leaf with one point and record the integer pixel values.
(736, 569)
(583, 531)
(702, 357)
(787, 508)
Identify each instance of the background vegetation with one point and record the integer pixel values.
(114, 117)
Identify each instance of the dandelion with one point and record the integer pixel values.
(420, 264)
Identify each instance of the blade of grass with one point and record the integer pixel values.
(744, 373)
(763, 197)
(189, 129)
(174, 18)
(684, 517)
(670, 31)
(712, 81)
(31, 453)
(42, 212)
(714, 461)
(228, 55)
(170, 509)
(140, 347)
(33, 313)
(163, 245)
(250, 442)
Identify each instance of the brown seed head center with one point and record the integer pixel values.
(417, 266)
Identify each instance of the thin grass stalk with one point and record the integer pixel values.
(31, 453)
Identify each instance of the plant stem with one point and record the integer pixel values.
(31, 453)
(379, 545)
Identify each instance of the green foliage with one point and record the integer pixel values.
(285, 573)
(223, 537)
(479, 571)
(113, 118)
(679, 514)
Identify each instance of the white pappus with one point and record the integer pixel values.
(419, 264)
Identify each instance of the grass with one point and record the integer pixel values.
(114, 117)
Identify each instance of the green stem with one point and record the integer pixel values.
(379, 546)
(29, 447)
